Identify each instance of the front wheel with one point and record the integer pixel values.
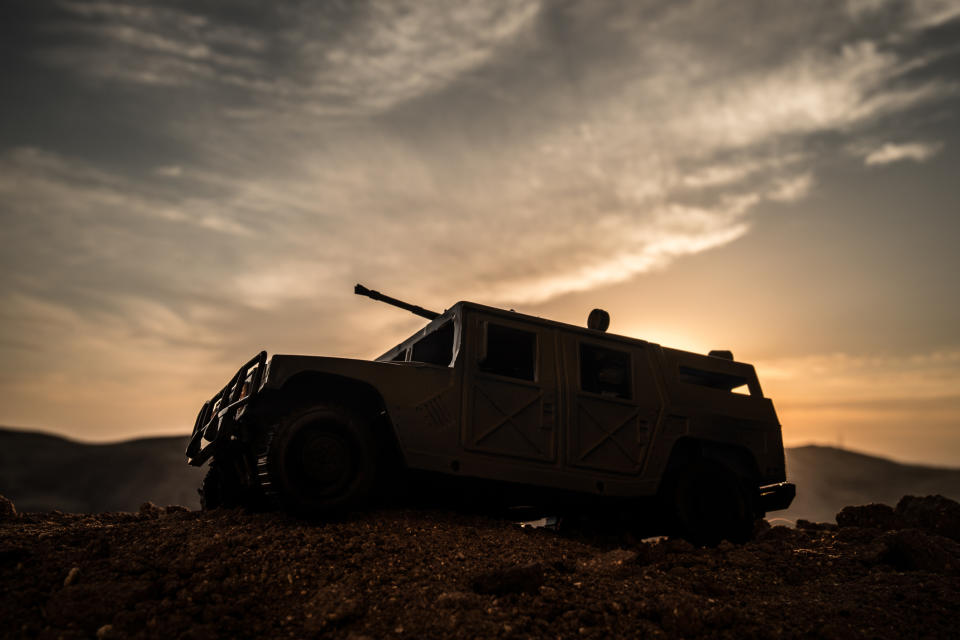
(713, 504)
(319, 461)
(220, 488)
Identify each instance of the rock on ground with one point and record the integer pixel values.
(879, 516)
(7, 510)
(933, 513)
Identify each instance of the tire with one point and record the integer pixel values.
(319, 461)
(713, 504)
(220, 488)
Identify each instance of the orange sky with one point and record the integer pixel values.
(184, 186)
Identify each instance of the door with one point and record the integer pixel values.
(510, 387)
(614, 406)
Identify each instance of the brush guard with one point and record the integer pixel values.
(218, 417)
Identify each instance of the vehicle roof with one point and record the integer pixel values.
(465, 306)
(544, 322)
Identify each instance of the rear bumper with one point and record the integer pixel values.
(774, 497)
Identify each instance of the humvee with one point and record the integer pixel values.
(486, 402)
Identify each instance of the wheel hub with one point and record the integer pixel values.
(323, 461)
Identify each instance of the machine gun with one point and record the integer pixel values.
(361, 290)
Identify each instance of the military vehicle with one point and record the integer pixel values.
(509, 406)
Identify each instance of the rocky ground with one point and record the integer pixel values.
(169, 572)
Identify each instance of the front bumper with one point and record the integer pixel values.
(221, 425)
(774, 497)
(219, 415)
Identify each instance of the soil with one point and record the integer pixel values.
(174, 573)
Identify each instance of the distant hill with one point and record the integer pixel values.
(41, 472)
(828, 479)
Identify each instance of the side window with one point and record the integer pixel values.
(510, 352)
(605, 371)
(436, 347)
(714, 380)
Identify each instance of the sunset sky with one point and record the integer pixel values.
(185, 183)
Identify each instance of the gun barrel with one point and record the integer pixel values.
(361, 290)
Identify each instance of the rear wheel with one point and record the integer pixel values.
(319, 460)
(713, 504)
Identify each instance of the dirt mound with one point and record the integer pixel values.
(7, 510)
(933, 513)
(169, 573)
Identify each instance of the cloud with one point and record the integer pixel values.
(891, 152)
(169, 171)
(390, 52)
(791, 189)
(510, 152)
(902, 405)
(402, 50)
(862, 378)
(378, 134)
(933, 13)
(919, 14)
(653, 249)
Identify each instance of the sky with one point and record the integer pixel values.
(185, 183)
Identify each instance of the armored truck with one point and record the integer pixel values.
(508, 405)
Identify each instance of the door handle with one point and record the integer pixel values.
(644, 425)
(548, 410)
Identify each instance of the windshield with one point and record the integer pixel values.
(437, 343)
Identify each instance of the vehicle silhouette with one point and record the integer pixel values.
(492, 406)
